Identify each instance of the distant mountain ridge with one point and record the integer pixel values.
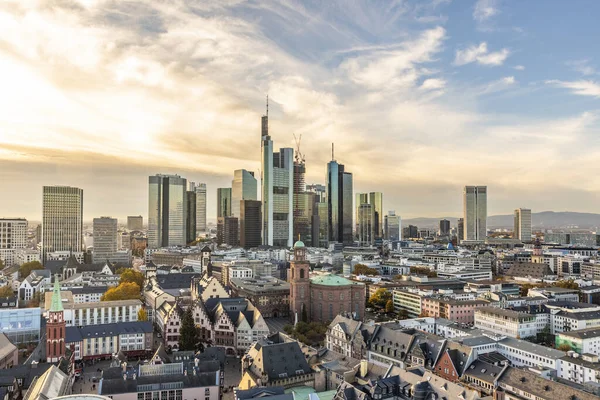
(544, 219)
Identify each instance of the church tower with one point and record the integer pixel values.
(538, 255)
(55, 327)
(299, 284)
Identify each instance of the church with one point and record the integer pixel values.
(322, 297)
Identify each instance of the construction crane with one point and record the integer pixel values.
(299, 156)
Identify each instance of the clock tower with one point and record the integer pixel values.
(55, 327)
(299, 284)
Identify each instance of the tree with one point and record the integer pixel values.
(35, 300)
(125, 291)
(402, 314)
(564, 347)
(567, 284)
(380, 298)
(423, 271)
(389, 306)
(188, 335)
(26, 268)
(304, 315)
(142, 315)
(131, 275)
(361, 269)
(6, 291)
(1, 263)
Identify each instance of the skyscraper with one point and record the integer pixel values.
(393, 226)
(317, 198)
(277, 183)
(62, 219)
(522, 224)
(190, 215)
(223, 202)
(250, 223)
(200, 208)
(243, 187)
(444, 227)
(475, 212)
(339, 203)
(375, 221)
(167, 206)
(461, 229)
(365, 221)
(105, 239)
(135, 222)
(13, 236)
(227, 231)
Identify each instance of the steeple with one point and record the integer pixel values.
(56, 304)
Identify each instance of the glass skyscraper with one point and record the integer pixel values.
(243, 187)
(223, 202)
(62, 219)
(339, 203)
(200, 208)
(105, 239)
(167, 209)
(475, 212)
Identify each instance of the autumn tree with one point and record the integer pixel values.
(131, 275)
(142, 315)
(26, 268)
(188, 334)
(380, 298)
(125, 291)
(389, 306)
(564, 347)
(403, 314)
(361, 269)
(567, 284)
(1, 263)
(423, 271)
(6, 291)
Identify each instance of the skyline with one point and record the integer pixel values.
(142, 88)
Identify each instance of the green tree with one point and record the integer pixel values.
(131, 275)
(564, 347)
(304, 315)
(361, 269)
(402, 314)
(142, 315)
(6, 291)
(380, 298)
(389, 306)
(188, 334)
(26, 268)
(125, 291)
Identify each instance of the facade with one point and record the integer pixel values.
(135, 222)
(365, 221)
(461, 229)
(223, 202)
(105, 239)
(461, 311)
(9, 354)
(475, 212)
(21, 325)
(62, 219)
(250, 223)
(55, 327)
(190, 215)
(227, 231)
(243, 187)
(339, 203)
(516, 324)
(348, 337)
(167, 205)
(522, 229)
(271, 296)
(13, 237)
(23, 256)
(583, 341)
(393, 226)
(101, 312)
(200, 208)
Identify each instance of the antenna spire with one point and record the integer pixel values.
(332, 157)
(267, 105)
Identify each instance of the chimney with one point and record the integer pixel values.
(364, 368)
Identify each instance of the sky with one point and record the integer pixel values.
(420, 98)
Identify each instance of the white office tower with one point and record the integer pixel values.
(167, 205)
(200, 208)
(62, 219)
(277, 184)
(13, 236)
(105, 239)
(243, 187)
(475, 212)
(523, 224)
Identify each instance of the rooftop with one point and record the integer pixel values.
(587, 333)
(332, 280)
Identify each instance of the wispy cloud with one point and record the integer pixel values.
(582, 66)
(582, 87)
(433, 84)
(484, 10)
(480, 55)
(519, 67)
(498, 85)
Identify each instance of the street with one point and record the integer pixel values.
(84, 384)
(277, 324)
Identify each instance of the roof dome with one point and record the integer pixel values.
(299, 244)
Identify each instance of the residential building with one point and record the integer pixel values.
(200, 208)
(409, 301)
(516, 323)
(9, 354)
(96, 313)
(348, 337)
(580, 369)
(522, 229)
(167, 205)
(277, 184)
(223, 202)
(462, 311)
(339, 203)
(582, 341)
(475, 213)
(105, 239)
(243, 187)
(62, 219)
(393, 226)
(190, 215)
(23, 256)
(13, 238)
(250, 223)
(135, 222)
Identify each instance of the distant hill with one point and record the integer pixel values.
(544, 219)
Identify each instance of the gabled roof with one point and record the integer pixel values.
(279, 360)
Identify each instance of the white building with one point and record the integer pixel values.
(522, 229)
(64, 256)
(23, 256)
(582, 341)
(475, 274)
(62, 219)
(13, 236)
(511, 323)
(578, 368)
(200, 208)
(34, 284)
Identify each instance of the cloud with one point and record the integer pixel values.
(485, 9)
(582, 87)
(582, 66)
(498, 85)
(519, 67)
(480, 55)
(433, 84)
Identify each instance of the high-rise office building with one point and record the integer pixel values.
(444, 227)
(393, 226)
(375, 200)
(475, 212)
(135, 222)
(250, 223)
(167, 208)
(227, 231)
(105, 239)
(410, 232)
(62, 219)
(461, 229)
(339, 201)
(522, 224)
(277, 184)
(190, 215)
(319, 190)
(243, 187)
(318, 216)
(223, 202)
(200, 208)
(365, 220)
(13, 236)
